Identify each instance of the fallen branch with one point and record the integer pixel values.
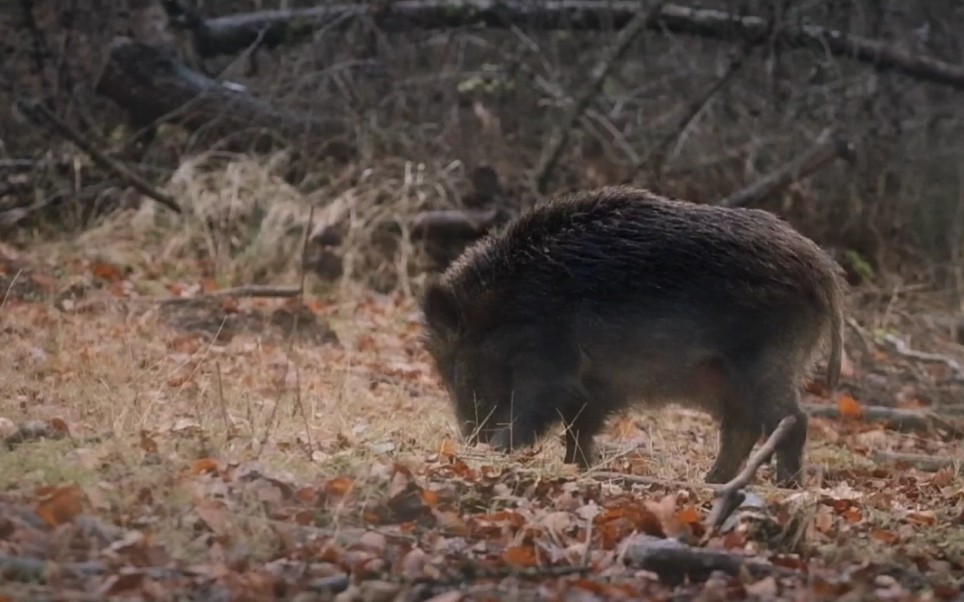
(676, 562)
(40, 115)
(922, 462)
(28, 568)
(829, 146)
(257, 290)
(234, 33)
(612, 54)
(12, 217)
(644, 480)
(447, 224)
(729, 496)
(155, 87)
(897, 419)
(901, 348)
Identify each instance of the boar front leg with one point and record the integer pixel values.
(582, 424)
(738, 434)
(539, 400)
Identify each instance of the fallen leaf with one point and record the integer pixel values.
(204, 466)
(689, 515)
(849, 407)
(60, 505)
(106, 271)
(147, 443)
(339, 487)
(764, 589)
(520, 556)
(59, 426)
(887, 537)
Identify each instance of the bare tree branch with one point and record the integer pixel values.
(230, 34)
(829, 146)
(559, 138)
(44, 118)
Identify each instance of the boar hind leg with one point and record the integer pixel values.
(789, 452)
(738, 434)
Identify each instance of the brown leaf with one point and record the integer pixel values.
(408, 504)
(824, 519)
(125, 582)
(59, 426)
(413, 563)
(147, 443)
(430, 498)
(849, 407)
(520, 556)
(887, 537)
(106, 271)
(203, 466)
(213, 516)
(339, 487)
(447, 449)
(689, 515)
(451, 523)
(60, 505)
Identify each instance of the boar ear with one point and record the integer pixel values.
(441, 308)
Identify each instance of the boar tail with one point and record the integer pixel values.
(836, 340)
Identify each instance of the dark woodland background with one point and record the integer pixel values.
(686, 113)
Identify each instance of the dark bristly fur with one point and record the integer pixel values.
(596, 300)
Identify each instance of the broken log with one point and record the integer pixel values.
(233, 33)
(153, 87)
(452, 224)
(676, 562)
(922, 462)
(897, 419)
(829, 146)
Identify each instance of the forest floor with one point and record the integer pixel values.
(182, 449)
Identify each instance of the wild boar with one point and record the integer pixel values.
(595, 300)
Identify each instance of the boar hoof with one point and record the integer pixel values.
(716, 476)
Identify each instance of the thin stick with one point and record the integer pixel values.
(923, 462)
(829, 146)
(607, 61)
(304, 249)
(42, 116)
(223, 406)
(257, 290)
(658, 157)
(728, 497)
(901, 348)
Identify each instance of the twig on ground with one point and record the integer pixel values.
(43, 117)
(729, 496)
(471, 573)
(304, 250)
(675, 562)
(897, 419)
(612, 54)
(901, 348)
(644, 480)
(922, 462)
(246, 290)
